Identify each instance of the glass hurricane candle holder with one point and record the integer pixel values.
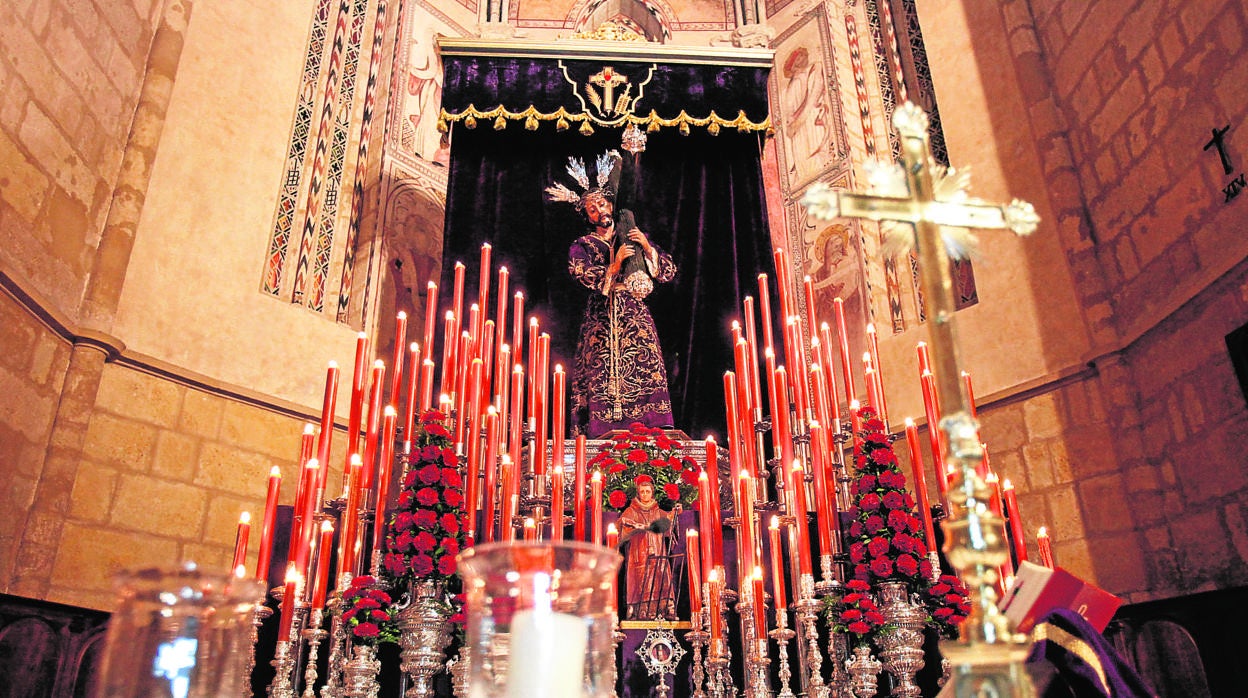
(179, 633)
(540, 619)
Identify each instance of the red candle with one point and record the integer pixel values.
(712, 596)
(745, 423)
(1045, 546)
(426, 385)
(746, 544)
(821, 464)
(240, 543)
(459, 399)
(321, 584)
(760, 607)
(487, 361)
(483, 285)
(613, 542)
(470, 412)
(532, 366)
(347, 544)
(1016, 522)
(930, 408)
(800, 538)
(389, 423)
(269, 524)
(449, 338)
(457, 298)
(414, 369)
(613, 536)
(823, 407)
(517, 327)
(777, 566)
(396, 366)
(510, 486)
(855, 427)
(970, 393)
(325, 442)
(472, 492)
(796, 358)
(847, 373)
(705, 520)
(829, 377)
(595, 505)
(751, 339)
(780, 418)
(712, 475)
(530, 529)
(491, 477)
(502, 379)
(925, 359)
(920, 483)
(431, 318)
(873, 348)
(500, 324)
(517, 395)
(556, 501)
(288, 604)
(873, 397)
(693, 560)
(812, 325)
(578, 489)
(782, 284)
(374, 424)
(540, 397)
(557, 432)
(359, 381)
(734, 423)
(765, 299)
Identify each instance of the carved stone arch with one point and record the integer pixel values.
(653, 18)
(411, 249)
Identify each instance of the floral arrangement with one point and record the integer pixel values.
(887, 543)
(368, 612)
(645, 454)
(855, 612)
(426, 529)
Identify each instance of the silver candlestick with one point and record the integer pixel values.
(259, 614)
(313, 634)
(698, 638)
(782, 635)
(284, 665)
(337, 641)
(808, 607)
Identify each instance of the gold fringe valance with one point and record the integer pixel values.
(564, 120)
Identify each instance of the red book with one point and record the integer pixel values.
(1038, 590)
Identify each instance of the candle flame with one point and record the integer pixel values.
(769, 353)
(1043, 532)
(309, 429)
(245, 517)
(459, 264)
(362, 336)
(529, 522)
(275, 471)
(333, 365)
(689, 533)
(611, 529)
(379, 364)
(991, 478)
(390, 411)
(327, 527)
(450, 315)
(240, 571)
(775, 523)
(558, 368)
(596, 477)
(965, 374)
(401, 316)
(312, 464)
(356, 460)
(414, 348)
(854, 405)
(431, 285)
(713, 576)
(702, 476)
(1006, 484)
(758, 572)
(532, 321)
(909, 422)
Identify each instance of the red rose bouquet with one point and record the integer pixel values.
(426, 526)
(947, 602)
(645, 452)
(368, 612)
(855, 612)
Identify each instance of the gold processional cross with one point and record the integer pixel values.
(987, 657)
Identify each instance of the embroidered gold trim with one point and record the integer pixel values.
(1072, 644)
(564, 119)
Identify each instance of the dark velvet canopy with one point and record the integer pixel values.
(698, 196)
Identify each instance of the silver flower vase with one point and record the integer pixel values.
(424, 634)
(459, 674)
(901, 648)
(863, 670)
(359, 674)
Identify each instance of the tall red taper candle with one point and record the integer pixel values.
(970, 394)
(449, 340)
(812, 322)
(348, 540)
(829, 376)
(483, 287)
(325, 439)
(558, 431)
(715, 536)
(517, 327)
(918, 472)
(376, 395)
(500, 322)
(595, 505)
(410, 393)
(241, 536)
(389, 424)
(932, 411)
(796, 479)
(426, 385)
(359, 381)
(751, 338)
(457, 299)
(578, 488)
(824, 503)
(747, 544)
(1045, 547)
(693, 563)
(288, 604)
(764, 298)
(847, 366)
(1018, 538)
(491, 478)
(396, 365)
(705, 519)
(777, 564)
(760, 600)
(431, 319)
(323, 550)
(268, 526)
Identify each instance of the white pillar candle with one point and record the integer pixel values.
(547, 650)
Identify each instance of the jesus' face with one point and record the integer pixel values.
(599, 211)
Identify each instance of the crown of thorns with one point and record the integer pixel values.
(606, 180)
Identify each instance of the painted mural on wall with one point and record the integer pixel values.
(421, 93)
(811, 132)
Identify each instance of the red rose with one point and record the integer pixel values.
(403, 541)
(366, 630)
(642, 479)
(427, 496)
(616, 467)
(873, 523)
(622, 445)
(672, 491)
(882, 567)
(365, 604)
(424, 542)
(875, 618)
(907, 565)
(458, 618)
(894, 500)
(617, 499)
(861, 571)
(857, 552)
(422, 565)
(884, 456)
(451, 478)
(925, 568)
(953, 599)
(395, 564)
(450, 523)
(453, 497)
(898, 520)
(430, 474)
(637, 456)
(857, 585)
(869, 502)
(409, 479)
(673, 462)
(438, 430)
(425, 518)
(908, 499)
(380, 615)
(855, 529)
(892, 479)
(405, 498)
(853, 598)
(430, 453)
(446, 565)
(850, 615)
(859, 628)
(663, 442)
(866, 483)
(449, 458)
(658, 463)
(450, 545)
(939, 589)
(942, 613)
(638, 438)
(690, 477)
(903, 542)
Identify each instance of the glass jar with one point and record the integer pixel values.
(541, 619)
(179, 633)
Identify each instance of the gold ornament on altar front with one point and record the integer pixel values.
(611, 30)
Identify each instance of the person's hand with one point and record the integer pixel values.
(623, 253)
(638, 237)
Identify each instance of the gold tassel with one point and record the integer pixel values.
(653, 126)
(712, 128)
(561, 124)
(470, 121)
(684, 128)
(586, 129)
(500, 123)
(530, 124)
(443, 127)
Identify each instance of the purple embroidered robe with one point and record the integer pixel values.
(618, 375)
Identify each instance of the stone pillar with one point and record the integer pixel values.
(93, 346)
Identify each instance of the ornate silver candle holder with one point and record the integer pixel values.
(807, 608)
(313, 634)
(901, 649)
(698, 637)
(781, 634)
(423, 636)
(359, 674)
(284, 666)
(259, 614)
(864, 672)
(337, 641)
